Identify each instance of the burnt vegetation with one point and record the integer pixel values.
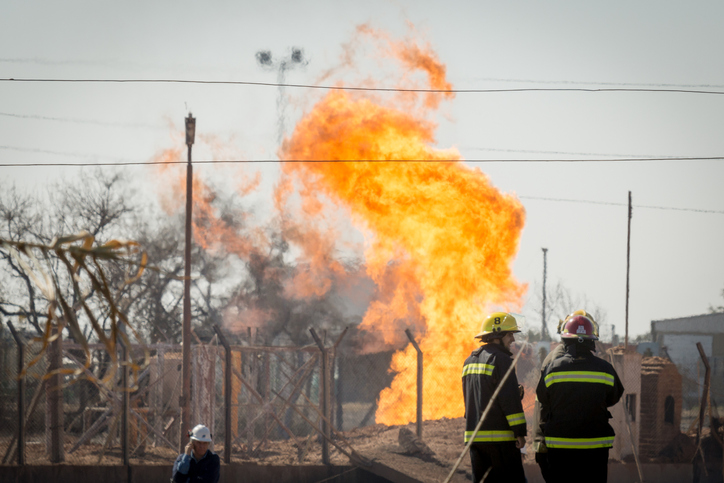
(251, 285)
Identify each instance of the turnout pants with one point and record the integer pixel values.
(502, 459)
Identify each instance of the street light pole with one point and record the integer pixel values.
(296, 59)
(186, 327)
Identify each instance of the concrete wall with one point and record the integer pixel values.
(628, 367)
(617, 473)
(162, 474)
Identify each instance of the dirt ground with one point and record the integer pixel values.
(444, 437)
(442, 445)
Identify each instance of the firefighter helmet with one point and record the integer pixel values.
(200, 433)
(498, 323)
(562, 323)
(578, 327)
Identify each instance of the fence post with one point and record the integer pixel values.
(54, 399)
(339, 419)
(227, 394)
(324, 387)
(419, 382)
(19, 340)
(705, 392)
(125, 400)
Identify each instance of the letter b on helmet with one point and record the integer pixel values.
(498, 322)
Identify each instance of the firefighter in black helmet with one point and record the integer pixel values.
(496, 446)
(575, 392)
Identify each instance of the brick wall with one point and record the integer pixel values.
(660, 420)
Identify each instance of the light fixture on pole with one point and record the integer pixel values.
(296, 59)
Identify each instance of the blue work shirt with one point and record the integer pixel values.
(186, 469)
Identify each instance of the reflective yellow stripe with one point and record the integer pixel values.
(490, 436)
(477, 368)
(579, 443)
(579, 376)
(518, 418)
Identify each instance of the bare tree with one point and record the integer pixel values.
(561, 301)
(718, 308)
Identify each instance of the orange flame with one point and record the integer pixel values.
(209, 231)
(440, 238)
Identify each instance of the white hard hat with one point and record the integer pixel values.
(201, 433)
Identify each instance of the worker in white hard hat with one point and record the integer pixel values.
(198, 463)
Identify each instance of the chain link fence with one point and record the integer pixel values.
(268, 404)
(277, 411)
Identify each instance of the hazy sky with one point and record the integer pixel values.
(677, 260)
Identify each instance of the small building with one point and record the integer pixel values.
(677, 339)
(679, 336)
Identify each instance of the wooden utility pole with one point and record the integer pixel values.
(186, 327)
(628, 267)
(544, 329)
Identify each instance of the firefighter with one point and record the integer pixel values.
(495, 450)
(575, 391)
(539, 446)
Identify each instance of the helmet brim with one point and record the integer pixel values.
(480, 335)
(577, 336)
(203, 440)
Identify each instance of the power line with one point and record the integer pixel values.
(83, 121)
(374, 89)
(619, 204)
(151, 163)
(600, 83)
(261, 161)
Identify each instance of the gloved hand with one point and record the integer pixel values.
(540, 447)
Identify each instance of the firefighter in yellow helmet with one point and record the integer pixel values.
(495, 450)
(575, 391)
(539, 446)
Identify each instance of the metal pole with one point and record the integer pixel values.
(227, 394)
(704, 392)
(628, 266)
(544, 330)
(21, 394)
(419, 382)
(125, 405)
(54, 397)
(325, 398)
(186, 327)
(338, 382)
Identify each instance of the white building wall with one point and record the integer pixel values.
(628, 367)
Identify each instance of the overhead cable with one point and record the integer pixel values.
(347, 88)
(619, 204)
(262, 161)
